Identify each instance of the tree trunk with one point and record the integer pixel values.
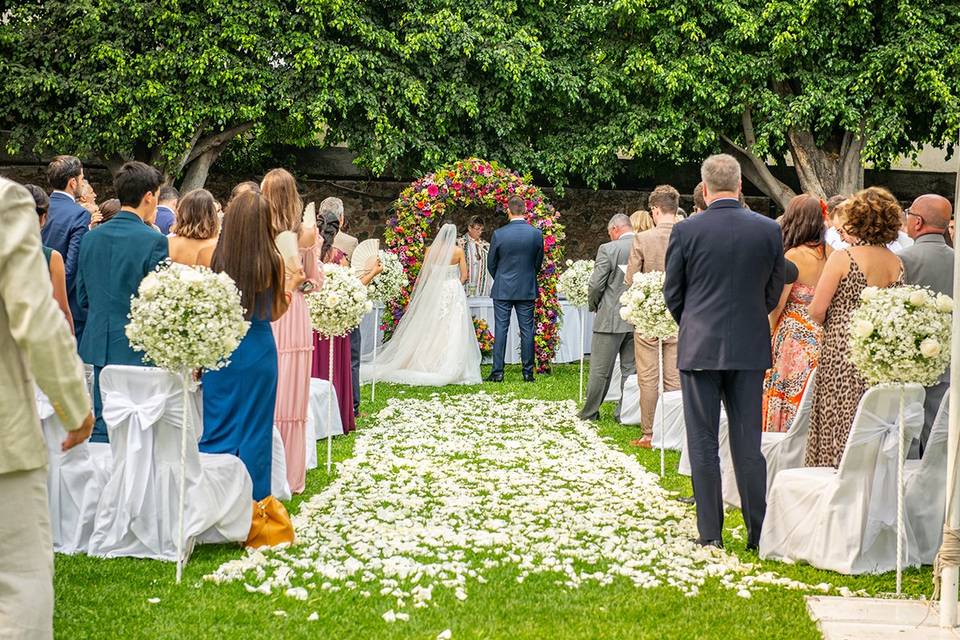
(827, 170)
(198, 170)
(203, 153)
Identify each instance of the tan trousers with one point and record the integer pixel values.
(26, 557)
(648, 375)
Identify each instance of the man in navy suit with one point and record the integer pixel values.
(514, 260)
(114, 258)
(67, 222)
(724, 274)
(167, 208)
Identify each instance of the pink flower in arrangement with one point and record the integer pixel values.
(433, 190)
(549, 241)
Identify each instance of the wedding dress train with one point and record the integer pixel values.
(435, 343)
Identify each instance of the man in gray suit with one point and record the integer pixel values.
(611, 334)
(929, 263)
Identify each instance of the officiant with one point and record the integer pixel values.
(475, 249)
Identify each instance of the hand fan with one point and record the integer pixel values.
(362, 254)
(310, 215)
(289, 249)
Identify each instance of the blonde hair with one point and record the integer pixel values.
(641, 221)
(197, 216)
(286, 207)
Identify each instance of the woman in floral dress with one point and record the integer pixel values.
(869, 221)
(796, 337)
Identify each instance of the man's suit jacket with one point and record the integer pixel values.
(114, 258)
(649, 250)
(928, 262)
(165, 219)
(346, 243)
(35, 341)
(724, 274)
(67, 223)
(514, 260)
(608, 283)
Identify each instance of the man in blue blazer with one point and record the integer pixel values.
(67, 222)
(514, 260)
(114, 258)
(724, 274)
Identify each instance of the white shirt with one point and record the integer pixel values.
(64, 193)
(837, 243)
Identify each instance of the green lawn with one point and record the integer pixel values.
(109, 598)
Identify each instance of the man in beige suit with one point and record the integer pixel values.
(648, 254)
(35, 346)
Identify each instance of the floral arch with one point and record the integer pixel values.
(477, 182)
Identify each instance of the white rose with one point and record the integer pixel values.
(930, 348)
(149, 285)
(367, 306)
(919, 298)
(944, 303)
(624, 313)
(869, 293)
(332, 300)
(191, 275)
(862, 328)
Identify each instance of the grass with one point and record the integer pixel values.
(109, 598)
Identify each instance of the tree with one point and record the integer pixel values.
(171, 83)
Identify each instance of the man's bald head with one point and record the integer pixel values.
(934, 209)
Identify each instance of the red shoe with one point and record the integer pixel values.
(646, 442)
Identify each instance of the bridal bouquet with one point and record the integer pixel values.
(901, 335)
(186, 318)
(645, 308)
(574, 282)
(389, 283)
(338, 307)
(484, 335)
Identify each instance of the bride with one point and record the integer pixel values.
(435, 343)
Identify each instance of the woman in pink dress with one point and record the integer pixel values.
(292, 332)
(796, 337)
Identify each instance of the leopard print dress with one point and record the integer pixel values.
(839, 386)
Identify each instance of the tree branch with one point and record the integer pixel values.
(216, 140)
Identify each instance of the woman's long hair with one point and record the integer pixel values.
(802, 223)
(280, 189)
(247, 253)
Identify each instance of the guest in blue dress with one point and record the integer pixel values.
(239, 400)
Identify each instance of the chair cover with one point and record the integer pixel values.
(321, 393)
(279, 486)
(630, 403)
(925, 488)
(845, 519)
(781, 450)
(310, 439)
(137, 514)
(674, 432)
(74, 483)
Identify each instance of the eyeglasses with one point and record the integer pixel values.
(908, 213)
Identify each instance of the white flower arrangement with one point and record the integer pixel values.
(645, 308)
(574, 281)
(546, 497)
(901, 335)
(339, 306)
(186, 318)
(389, 283)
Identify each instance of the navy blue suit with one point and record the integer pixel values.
(165, 219)
(67, 223)
(114, 258)
(514, 260)
(724, 274)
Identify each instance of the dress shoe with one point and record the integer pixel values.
(528, 377)
(495, 378)
(709, 543)
(643, 443)
(687, 500)
(753, 546)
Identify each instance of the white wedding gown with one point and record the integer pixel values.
(435, 343)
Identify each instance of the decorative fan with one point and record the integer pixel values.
(362, 254)
(289, 248)
(310, 215)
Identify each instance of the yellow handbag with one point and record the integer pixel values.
(271, 524)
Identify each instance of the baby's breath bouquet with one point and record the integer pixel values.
(339, 306)
(574, 281)
(901, 335)
(186, 318)
(389, 283)
(645, 308)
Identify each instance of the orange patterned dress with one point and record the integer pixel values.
(796, 349)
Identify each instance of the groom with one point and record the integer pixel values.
(514, 260)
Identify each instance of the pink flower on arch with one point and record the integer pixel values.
(433, 190)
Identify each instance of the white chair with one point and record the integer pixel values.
(630, 402)
(845, 519)
(925, 488)
(74, 483)
(322, 393)
(137, 514)
(674, 431)
(279, 486)
(782, 450)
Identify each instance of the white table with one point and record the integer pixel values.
(482, 307)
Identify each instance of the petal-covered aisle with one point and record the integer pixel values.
(444, 489)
